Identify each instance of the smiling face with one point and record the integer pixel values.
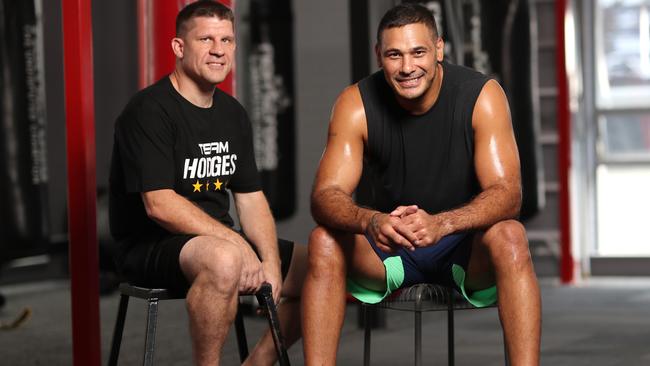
(409, 56)
(205, 52)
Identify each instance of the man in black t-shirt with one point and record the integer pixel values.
(180, 146)
(436, 143)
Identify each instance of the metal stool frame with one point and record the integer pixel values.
(419, 298)
(153, 296)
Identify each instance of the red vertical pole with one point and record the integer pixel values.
(156, 28)
(144, 43)
(82, 189)
(564, 146)
(163, 24)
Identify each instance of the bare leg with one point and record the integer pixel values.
(323, 297)
(213, 267)
(501, 254)
(288, 311)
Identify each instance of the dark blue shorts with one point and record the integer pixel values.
(444, 263)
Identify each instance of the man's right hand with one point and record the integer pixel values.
(389, 233)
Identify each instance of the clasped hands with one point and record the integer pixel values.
(408, 227)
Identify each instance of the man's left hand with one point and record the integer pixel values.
(273, 275)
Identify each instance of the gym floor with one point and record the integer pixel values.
(602, 321)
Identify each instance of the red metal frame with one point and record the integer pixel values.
(163, 24)
(82, 187)
(144, 47)
(567, 264)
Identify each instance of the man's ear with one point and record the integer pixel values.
(378, 55)
(440, 49)
(177, 47)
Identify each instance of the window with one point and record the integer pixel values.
(623, 54)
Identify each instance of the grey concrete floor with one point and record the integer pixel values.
(599, 322)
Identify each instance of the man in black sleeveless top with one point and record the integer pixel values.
(437, 144)
(181, 146)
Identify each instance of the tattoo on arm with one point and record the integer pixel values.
(373, 222)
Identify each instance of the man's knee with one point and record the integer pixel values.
(507, 243)
(215, 263)
(324, 252)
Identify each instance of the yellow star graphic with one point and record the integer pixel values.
(217, 185)
(197, 186)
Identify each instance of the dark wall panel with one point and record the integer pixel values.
(115, 63)
(55, 116)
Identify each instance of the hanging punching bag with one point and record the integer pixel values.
(506, 29)
(271, 101)
(23, 173)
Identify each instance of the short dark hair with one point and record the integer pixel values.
(202, 8)
(405, 14)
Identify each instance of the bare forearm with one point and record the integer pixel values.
(494, 204)
(334, 208)
(178, 215)
(257, 223)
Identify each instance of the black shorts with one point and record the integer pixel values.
(154, 262)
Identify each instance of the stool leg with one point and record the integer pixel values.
(117, 332)
(450, 328)
(366, 335)
(242, 344)
(265, 298)
(418, 338)
(505, 351)
(150, 335)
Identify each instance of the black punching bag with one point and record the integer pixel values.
(506, 30)
(271, 101)
(23, 173)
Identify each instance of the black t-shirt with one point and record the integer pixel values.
(428, 159)
(162, 141)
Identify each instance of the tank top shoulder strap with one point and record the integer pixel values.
(464, 83)
(380, 108)
(464, 86)
(373, 91)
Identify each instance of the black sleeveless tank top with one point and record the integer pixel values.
(425, 160)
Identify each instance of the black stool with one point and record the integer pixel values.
(419, 298)
(264, 297)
